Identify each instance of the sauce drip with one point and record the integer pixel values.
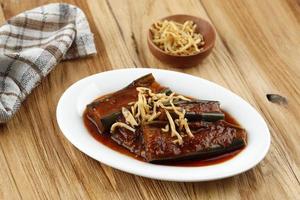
(107, 141)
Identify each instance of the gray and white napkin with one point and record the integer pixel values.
(32, 43)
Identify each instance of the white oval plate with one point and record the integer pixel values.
(73, 102)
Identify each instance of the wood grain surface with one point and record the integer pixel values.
(257, 52)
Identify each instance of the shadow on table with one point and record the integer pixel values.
(3, 127)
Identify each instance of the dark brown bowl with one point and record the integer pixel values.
(203, 27)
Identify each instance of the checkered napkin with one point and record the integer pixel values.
(32, 43)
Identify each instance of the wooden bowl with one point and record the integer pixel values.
(203, 27)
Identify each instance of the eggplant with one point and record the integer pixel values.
(192, 101)
(199, 110)
(111, 118)
(208, 116)
(211, 139)
(205, 154)
(132, 141)
(104, 111)
(108, 120)
(202, 110)
(194, 113)
(144, 81)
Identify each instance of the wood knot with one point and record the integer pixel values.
(276, 98)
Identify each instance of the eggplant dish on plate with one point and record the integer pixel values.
(158, 125)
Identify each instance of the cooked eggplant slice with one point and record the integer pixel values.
(211, 139)
(97, 111)
(205, 154)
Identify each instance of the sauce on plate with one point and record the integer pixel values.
(107, 141)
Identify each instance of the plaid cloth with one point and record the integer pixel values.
(32, 43)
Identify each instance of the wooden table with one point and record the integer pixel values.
(257, 52)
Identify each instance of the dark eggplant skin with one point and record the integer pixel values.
(143, 81)
(107, 121)
(202, 155)
(208, 116)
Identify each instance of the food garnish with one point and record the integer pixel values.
(177, 39)
(145, 109)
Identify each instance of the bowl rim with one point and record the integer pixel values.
(209, 47)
